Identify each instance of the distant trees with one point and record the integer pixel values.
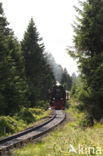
(88, 41)
(61, 75)
(66, 80)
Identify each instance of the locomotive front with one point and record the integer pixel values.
(57, 97)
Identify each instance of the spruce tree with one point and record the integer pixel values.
(13, 87)
(88, 41)
(33, 52)
(3, 59)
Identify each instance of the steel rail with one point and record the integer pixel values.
(31, 133)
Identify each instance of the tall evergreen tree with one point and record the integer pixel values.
(3, 58)
(33, 52)
(12, 87)
(88, 41)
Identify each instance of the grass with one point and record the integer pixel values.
(59, 141)
(24, 119)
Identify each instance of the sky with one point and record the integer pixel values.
(53, 19)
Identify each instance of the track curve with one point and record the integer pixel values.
(32, 133)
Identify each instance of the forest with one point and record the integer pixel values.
(26, 72)
(88, 40)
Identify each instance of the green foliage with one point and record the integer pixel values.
(43, 104)
(36, 69)
(21, 120)
(36, 111)
(89, 30)
(7, 125)
(86, 121)
(88, 41)
(57, 143)
(27, 116)
(13, 86)
(25, 75)
(66, 80)
(73, 90)
(76, 87)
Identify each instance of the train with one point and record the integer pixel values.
(58, 97)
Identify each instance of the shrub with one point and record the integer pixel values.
(86, 120)
(27, 116)
(36, 111)
(43, 104)
(7, 125)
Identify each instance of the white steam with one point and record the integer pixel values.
(56, 69)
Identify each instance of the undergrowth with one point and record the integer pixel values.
(25, 118)
(74, 133)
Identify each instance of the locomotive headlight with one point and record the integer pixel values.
(53, 98)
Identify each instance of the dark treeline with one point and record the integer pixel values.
(25, 74)
(88, 41)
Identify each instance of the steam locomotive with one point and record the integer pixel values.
(57, 97)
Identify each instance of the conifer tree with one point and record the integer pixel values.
(88, 41)
(12, 86)
(33, 52)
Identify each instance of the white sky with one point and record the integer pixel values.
(53, 19)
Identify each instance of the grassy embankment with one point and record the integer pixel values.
(24, 119)
(73, 132)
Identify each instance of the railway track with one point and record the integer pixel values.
(31, 133)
